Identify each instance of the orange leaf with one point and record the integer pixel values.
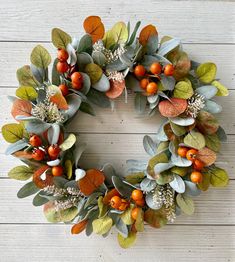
(146, 33)
(60, 101)
(116, 88)
(21, 108)
(41, 182)
(78, 228)
(169, 133)
(172, 108)
(109, 195)
(91, 181)
(94, 26)
(207, 156)
(23, 154)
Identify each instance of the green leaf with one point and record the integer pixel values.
(213, 142)
(39, 200)
(219, 177)
(149, 145)
(222, 90)
(94, 72)
(185, 203)
(204, 185)
(68, 142)
(181, 171)
(85, 44)
(177, 130)
(40, 57)
(27, 190)
(195, 139)
(26, 93)
(55, 74)
(155, 218)
(99, 58)
(12, 132)
(123, 188)
(206, 72)
(87, 108)
(102, 208)
(25, 77)
(126, 217)
(127, 242)
(183, 89)
(140, 103)
(102, 225)
(133, 35)
(21, 173)
(60, 39)
(135, 178)
(98, 98)
(119, 33)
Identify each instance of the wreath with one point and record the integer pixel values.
(96, 69)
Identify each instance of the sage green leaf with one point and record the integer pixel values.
(221, 89)
(159, 158)
(181, 171)
(178, 184)
(195, 139)
(126, 217)
(98, 98)
(85, 44)
(140, 103)
(207, 91)
(177, 130)
(183, 89)
(25, 77)
(99, 58)
(37, 126)
(17, 146)
(87, 108)
(68, 142)
(26, 93)
(133, 35)
(185, 203)
(21, 173)
(164, 177)
(135, 178)
(83, 59)
(55, 74)
(102, 225)
(139, 223)
(12, 132)
(206, 72)
(205, 184)
(40, 57)
(127, 242)
(213, 142)
(119, 33)
(147, 184)
(191, 189)
(123, 188)
(149, 145)
(212, 107)
(219, 177)
(102, 208)
(103, 84)
(27, 190)
(182, 121)
(39, 200)
(94, 72)
(120, 226)
(221, 134)
(108, 39)
(60, 39)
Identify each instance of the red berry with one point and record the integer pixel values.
(53, 151)
(62, 67)
(62, 55)
(35, 141)
(38, 154)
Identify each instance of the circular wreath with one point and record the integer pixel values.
(96, 69)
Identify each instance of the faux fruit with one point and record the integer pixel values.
(196, 177)
(113, 192)
(35, 141)
(191, 154)
(156, 68)
(198, 165)
(140, 202)
(38, 154)
(143, 83)
(139, 71)
(169, 70)
(182, 151)
(62, 55)
(53, 151)
(77, 80)
(137, 195)
(57, 171)
(115, 202)
(62, 67)
(151, 88)
(64, 89)
(134, 213)
(124, 204)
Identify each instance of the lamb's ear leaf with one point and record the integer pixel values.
(27, 190)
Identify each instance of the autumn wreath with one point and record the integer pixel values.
(96, 69)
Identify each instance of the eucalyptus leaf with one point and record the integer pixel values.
(212, 107)
(83, 59)
(85, 44)
(149, 145)
(150, 201)
(195, 139)
(185, 203)
(178, 184)
(102, 225)
(103, 84)
(99, 58)
(208, 91)
(191, 189)
(60, 39)
(168, 82)
(98, 98)
(221, 134)
(74, 101)
(124, 189)
(168, 46)
(26, 93)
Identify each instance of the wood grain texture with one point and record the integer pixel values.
(192, 21)
(207, 31)
(15, 55)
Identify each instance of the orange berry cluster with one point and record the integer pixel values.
(191, 154)
(119, 203)
(40, 153)
(156, 69)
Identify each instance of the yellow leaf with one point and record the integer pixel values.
(12, 132)
(222, 90)
(68, 168)
(127, 242)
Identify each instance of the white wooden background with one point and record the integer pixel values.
(207, 30)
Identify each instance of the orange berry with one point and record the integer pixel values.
(140, 202)
(169, 70)
(196, 177)
(198, 165)
(152, 88)
(115, 202)
(35, 140)
(53, 151)
(124, 205)
(182, 151)
(64, 89)
(62, 67)
(135, 211)
(156, 68)
(144, 82)
(77, 80)
(137, 195)
(62, 55)
(38, 154)
(139, 71)
(57, 171)
(111, 193)
(191, 154)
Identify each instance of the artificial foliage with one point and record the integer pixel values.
(96, 69)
